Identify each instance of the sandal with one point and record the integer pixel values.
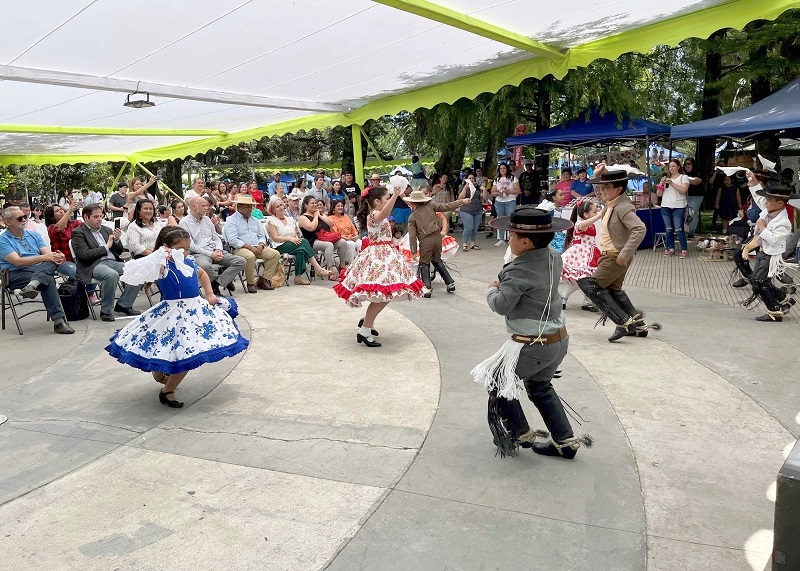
(475, 247)
(465, 248)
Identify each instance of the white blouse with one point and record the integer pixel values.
(671, 198)
(142, 238)
(286, 228)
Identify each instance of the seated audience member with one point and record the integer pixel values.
(280, 191)
(97, 253)
(245, 234)
(60, 227)
(31, 266)
(286, 238)
(342, 224)
(198, 189)
(311, 222)
(336, 194)
(258, 196)
(206, 246)
(143, 230)
(178, 212)
(36, 222)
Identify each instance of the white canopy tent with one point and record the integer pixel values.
(225, 71)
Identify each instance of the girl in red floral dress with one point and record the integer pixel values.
(580, 259)
(378, 274)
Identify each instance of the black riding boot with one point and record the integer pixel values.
(625, 303)
(744, 268)
(603, 299)
(507, 422)
(769, 295)
(425, 276)
(448, 279)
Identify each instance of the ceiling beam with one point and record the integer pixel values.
(67, 79)
(52, 130)
(472, 25)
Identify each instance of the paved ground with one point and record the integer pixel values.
(311, 452)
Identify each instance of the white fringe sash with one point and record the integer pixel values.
(498, 372)
(778, 267)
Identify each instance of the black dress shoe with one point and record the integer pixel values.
(215, 288)
(621, 331)
(162, 397)
(771, 316)
(107, 317)
(126, 310)
(230, 287)
(741, 282)
(62, 328)
(365, 340)
(361, 324)
(590, 307)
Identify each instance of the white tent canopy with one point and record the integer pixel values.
(221, 71)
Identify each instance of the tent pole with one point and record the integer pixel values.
(162, 183)
(357, 156)
(374, 151)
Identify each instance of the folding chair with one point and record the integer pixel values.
(12, 302)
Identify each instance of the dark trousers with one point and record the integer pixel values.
(42, 273)
(430, 248)
(536, 367)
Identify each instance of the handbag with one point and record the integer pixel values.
(328, 236)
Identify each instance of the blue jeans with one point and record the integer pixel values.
(504, 209)
(42, 273)
(695, 202)
(471, 221)
(68, 269)
(673, 222)
(107, 272)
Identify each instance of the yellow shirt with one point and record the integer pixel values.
(606, 245)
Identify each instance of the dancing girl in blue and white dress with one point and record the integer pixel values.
(184, 330)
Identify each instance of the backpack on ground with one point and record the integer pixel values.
(73, 299)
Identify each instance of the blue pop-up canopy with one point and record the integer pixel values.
(778, 112)
(597, 130)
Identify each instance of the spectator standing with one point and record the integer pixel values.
(14, 197)
(31, 266)
(276, 180)
(471, 212)
(528, 185)
(246, 235)
(418, 178)
(565, 184)
(581, 187)
(504, 190)
(350, 186)
(206, 245)
(728, 201)
(318, 191)
(672, 191)
(118, 200)
(694, 197)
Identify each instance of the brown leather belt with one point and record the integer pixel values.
(609, 253)
(542, 339)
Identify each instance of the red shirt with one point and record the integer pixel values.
(59, 239)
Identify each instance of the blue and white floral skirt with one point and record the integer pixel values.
(178, 335)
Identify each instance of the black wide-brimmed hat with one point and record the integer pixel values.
(778, 192)
(530, 220)
(613, 176)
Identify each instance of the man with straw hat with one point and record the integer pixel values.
(424, 226)
(526, 294)
(622, 233)
(246, 236)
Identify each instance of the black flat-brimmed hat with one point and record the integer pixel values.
(612, 176)
(530, 220)
(778, 192)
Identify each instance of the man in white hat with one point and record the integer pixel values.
(246, 235)
(425, 226)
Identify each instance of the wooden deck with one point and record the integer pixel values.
(693, 277)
